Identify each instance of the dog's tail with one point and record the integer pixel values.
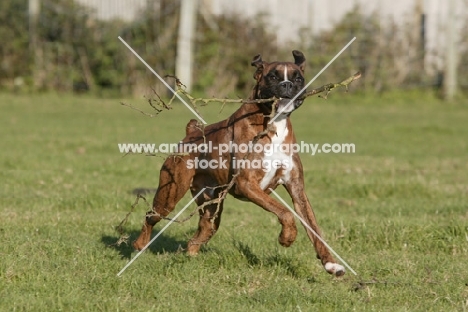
(192, 126)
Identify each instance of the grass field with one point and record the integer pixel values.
(396, 211)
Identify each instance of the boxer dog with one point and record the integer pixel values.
(282, 80)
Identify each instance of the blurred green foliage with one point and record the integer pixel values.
(75, 51)
(14, 34)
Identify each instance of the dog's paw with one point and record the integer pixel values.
(192, 253)
(193, 247)
(335, 268)
(287, 237)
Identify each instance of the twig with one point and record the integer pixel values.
(361, 284)
(329, 87)
(139, 110)
(120, 228)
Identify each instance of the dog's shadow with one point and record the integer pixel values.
(164, 244)
(169, 244)
(274, 260)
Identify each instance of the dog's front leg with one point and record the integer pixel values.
(304, 210)
(255, 194)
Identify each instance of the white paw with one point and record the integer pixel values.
(335, 268)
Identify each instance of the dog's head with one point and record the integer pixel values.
(282, 80)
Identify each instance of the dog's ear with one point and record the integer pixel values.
(299, 59)
(257, 62)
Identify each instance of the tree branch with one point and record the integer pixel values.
(159, 105)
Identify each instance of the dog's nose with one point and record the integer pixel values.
(286, 87)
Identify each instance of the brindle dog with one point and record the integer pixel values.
(276, 79)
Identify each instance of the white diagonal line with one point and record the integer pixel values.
(162, 80)
(160, 232)
(313, 232)
(310, 82)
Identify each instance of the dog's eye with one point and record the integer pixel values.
(298, 79)
(273, 77)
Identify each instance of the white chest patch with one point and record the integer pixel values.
(275, 158)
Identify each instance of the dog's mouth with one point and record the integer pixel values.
(285, 106)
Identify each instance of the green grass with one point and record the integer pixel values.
(396, 211)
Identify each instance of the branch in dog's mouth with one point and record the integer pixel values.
(326, 89)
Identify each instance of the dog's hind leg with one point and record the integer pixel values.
(210, 216)
(174, 181)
